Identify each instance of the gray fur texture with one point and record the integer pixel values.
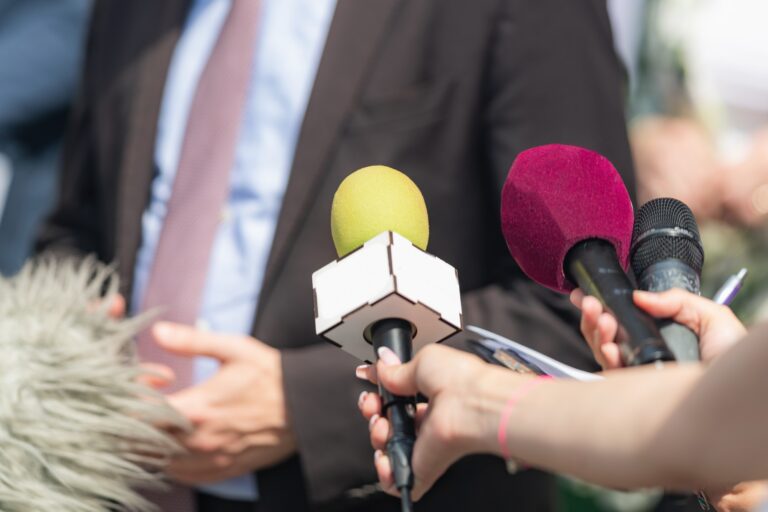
(77, 431)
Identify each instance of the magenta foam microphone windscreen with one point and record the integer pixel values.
(556, 196)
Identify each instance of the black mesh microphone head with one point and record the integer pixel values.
(665, 228)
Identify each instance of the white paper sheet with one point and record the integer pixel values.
(548, 365)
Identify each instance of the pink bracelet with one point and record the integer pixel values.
(517, 395)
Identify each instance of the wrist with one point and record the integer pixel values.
(489, 397)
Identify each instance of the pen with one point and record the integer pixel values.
(730, 288)
(483, 352)
(502, 358)
(516, 362)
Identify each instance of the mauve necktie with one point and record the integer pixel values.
(200, 191)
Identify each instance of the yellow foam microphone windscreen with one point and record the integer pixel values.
(375, 199)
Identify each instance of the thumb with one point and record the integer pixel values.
(187, 341)
(683, 307)
(397, 378)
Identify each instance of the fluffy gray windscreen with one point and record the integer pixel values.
(77, 431)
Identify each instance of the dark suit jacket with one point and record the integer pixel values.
(449, 91)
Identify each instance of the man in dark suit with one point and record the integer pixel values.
(449, 91)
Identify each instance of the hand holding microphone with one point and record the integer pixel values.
(716, 326)
(460, 419)
(557, 424)
(667, 256)
(567, 219)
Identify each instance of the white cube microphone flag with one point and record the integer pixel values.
(388, 277)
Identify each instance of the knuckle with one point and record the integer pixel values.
(223, 461)
(444, 433)
(677, 294)
(232, 449)
(431, 350)
(205, 444)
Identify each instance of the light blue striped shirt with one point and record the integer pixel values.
(289, 45)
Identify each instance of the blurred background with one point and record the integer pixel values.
(697, 110)
(698, 124)
(41, 45)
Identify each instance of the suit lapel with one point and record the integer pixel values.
(356, 31)
(136, 168)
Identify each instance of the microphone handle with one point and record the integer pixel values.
(665, 275)
(594, 266)
(397, 335)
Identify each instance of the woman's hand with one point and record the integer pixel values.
(715, 325)
(461, 417)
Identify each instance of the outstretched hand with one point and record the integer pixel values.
(455, 423)
(715, 325)
(239, 416)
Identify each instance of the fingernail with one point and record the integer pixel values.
(361, 399)
(377, 455)
(372, 421)
(388, 357)
(361, 372)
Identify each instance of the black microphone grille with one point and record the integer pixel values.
(665, 228)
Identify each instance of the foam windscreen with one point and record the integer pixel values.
(78, 431)
(373, 200)
(556, 196)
